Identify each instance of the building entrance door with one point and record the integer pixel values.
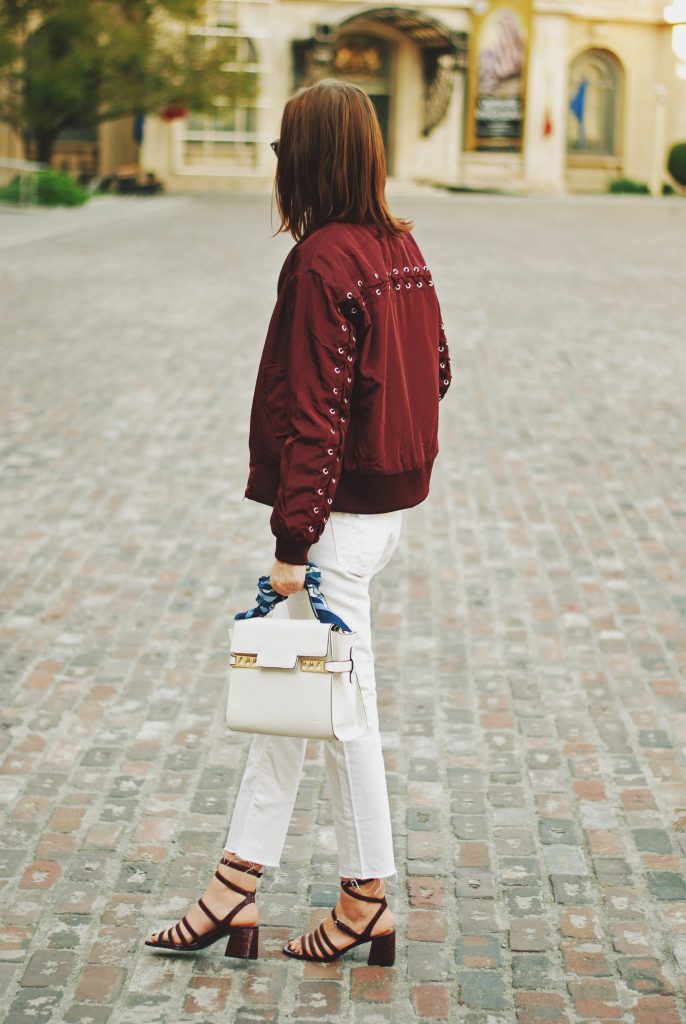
(366, 60)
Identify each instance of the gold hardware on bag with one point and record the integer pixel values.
(245, 661)
(313, 664)
(306, 664)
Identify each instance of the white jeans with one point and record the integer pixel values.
(352, 548)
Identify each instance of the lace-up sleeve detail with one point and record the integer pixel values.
(322, 349)
(444, 371)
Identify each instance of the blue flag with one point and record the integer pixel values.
(579, 101)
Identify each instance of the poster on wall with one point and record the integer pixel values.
(501, 30)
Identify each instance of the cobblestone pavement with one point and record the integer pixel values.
(529, 632)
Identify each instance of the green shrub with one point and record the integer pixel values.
(667, 189)
(676, 162)
(51, 188)
(618, 185)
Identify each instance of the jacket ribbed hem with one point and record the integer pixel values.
(356, 492)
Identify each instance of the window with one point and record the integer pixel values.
(226, 139)
(594, 104)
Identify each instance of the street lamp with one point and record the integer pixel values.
(675, 15)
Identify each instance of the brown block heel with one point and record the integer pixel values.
(382, 951)
(243, 942)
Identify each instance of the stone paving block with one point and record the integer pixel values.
(477, 917)
(478, 951)
(565, 860)
(432, 1001)
(532, 971)
(528, 933)
(585, 958)
(571, 889)
(644, 975)
(666, 885)
(483, 990)
(474, 884)
(87, 1013)
(523, 900)
(33, 1006)
(427, 961)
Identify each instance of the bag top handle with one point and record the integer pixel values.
(267, 599)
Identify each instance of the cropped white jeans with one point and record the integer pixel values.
(352, 548)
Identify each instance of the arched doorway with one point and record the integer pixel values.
(403, 58)
(595, 91)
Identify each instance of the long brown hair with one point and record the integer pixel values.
(331, 162)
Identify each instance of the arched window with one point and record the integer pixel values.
(594, 104)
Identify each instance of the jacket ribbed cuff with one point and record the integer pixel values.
(292, 551)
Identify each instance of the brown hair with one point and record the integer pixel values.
(331, 161)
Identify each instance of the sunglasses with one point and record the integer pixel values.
(275, 146)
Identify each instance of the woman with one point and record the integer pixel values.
(343, 435)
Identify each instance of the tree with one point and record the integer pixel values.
(77, 63)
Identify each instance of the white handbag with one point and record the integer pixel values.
(294, 676)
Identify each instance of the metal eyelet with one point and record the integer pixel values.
(349, 379)
(330, 451)
(408, 284)
(425, 267)
(325, 470)
(406, 269)
(330, 501)
(311, 529)
(419, 284)
(333, 430)
(332, 411)
(431, 284)
(445, 381)
(353, 309)
(376, 275)
(442, 366)
(316, 508)
(397, 287)
(378, 291)
(415, 269)
(350, 295)
(342, 419)
(395, 271)
(345, 400)
(359, 282)
(319, 490)
(343, 327)
(441, 348)
(350, 359)
(341, 349)
(333, 479)
(336, 369)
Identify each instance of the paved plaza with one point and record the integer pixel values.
(530, 630)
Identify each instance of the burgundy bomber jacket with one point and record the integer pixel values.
(345, 409)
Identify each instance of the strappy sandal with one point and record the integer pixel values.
(382, 949)
(242, 938)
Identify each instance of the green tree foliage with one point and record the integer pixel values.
(75, 63)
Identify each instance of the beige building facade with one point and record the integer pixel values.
(516, 94)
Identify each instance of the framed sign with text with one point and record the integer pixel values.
(501, 32)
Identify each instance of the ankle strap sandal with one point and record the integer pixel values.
(317, 945)
(243, 939)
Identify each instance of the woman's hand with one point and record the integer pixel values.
(286, 578)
